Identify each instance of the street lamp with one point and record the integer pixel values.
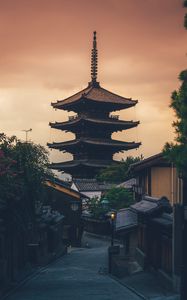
(112, 217)
(105, 203)
(26, 133)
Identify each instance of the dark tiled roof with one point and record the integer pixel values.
(108, 121)
(91, 141)
(83, 162)
(148, 205)
(154, 160)
(144, 206)
(91, 185)
(98, 94)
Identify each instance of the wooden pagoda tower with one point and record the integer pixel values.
(93, 125)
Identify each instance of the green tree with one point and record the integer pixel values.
(25, 168)
(119, 172)
(119, 197)
(177, 152)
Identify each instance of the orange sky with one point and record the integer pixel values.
(45, 56)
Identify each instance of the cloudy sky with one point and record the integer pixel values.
(45, 56)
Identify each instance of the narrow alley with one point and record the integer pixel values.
(81, 274)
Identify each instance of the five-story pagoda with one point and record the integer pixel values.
(93, 125)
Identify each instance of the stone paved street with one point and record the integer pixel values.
(78, 275)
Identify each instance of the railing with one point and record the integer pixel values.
(71, 118)
(116, 117)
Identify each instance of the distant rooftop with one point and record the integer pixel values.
(91, 185)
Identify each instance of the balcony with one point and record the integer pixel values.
(72, 118)
(115, 117)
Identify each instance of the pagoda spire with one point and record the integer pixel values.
(94, 61)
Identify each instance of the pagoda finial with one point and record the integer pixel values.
(94, 60)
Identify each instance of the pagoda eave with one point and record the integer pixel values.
(74, 145)
(86, 163)
(80, 103)
(73, 124)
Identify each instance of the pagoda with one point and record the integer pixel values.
(93, 148)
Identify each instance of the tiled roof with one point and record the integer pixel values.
(91, 185)
(103, 142)
(148, 205)
(128, 183)
(157, 159)
(96, 94)
(83, 162)
(109, 121)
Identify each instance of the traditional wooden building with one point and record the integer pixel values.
(157, 177)
(93, 124)
(68, 202)
(146, 232)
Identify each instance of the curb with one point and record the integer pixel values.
(128, 287)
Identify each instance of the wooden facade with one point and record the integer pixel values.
(156, 177)
(26, 240)
(69, 203)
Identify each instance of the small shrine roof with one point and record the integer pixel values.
(149, 205)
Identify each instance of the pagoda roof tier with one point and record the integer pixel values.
(74, 145)
(82, 162)
(79, 121)
(94, 94)
(82, 168)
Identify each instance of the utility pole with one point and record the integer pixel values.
(26, 133)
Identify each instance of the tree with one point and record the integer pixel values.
(177, 153)
(119, 197)
(24, 168)
(117, 173)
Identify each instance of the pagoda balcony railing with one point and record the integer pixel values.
(71, 118)
(115, 117)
